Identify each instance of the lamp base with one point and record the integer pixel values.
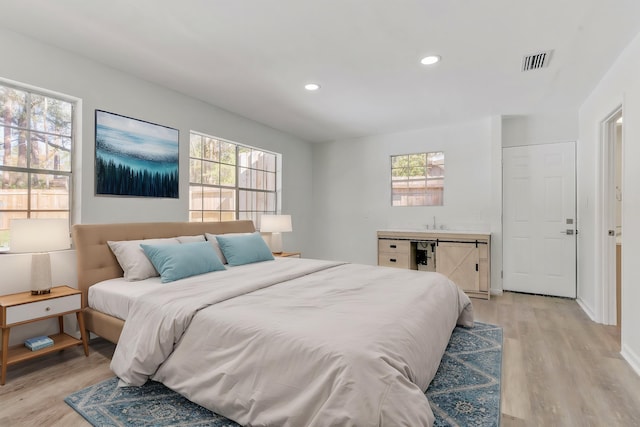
(40, 274)
(276, 243)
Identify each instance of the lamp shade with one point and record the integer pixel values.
(275, 223)
(39, 235)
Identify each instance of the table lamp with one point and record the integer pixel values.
(39, 236)
(276, 225)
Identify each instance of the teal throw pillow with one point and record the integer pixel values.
(175, 262)
(244, 249)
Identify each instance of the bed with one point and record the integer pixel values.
(288, 342)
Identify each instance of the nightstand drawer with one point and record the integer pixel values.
(51, 307)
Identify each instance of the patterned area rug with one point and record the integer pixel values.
(464, 392)
(466, 388)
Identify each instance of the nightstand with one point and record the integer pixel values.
(22, 308)
(288, 254)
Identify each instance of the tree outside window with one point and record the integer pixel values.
(229, 181)
(35, 156)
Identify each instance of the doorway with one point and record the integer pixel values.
(612, 199)
(539, 219)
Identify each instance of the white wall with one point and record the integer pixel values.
(352, 190)
(620, 86)
(99, 87)
(535, 129)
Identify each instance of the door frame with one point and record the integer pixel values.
(606, 252)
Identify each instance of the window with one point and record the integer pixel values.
(229, 181)
(417, 179)
(35, 156)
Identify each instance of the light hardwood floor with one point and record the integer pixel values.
(559, 369)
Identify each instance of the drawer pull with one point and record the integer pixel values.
(392, 259)
(47, 309)
(392, 246)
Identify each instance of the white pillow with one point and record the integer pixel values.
(211, 238)
(191, 239)
(134, 262)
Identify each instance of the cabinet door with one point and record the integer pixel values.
(459, 262)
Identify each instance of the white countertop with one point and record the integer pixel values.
(439, 231)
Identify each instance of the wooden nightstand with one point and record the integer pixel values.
(18, 309)
(288, 254)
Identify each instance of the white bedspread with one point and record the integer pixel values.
(297, 342)
(115, 296)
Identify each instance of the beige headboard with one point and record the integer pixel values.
(96, 262)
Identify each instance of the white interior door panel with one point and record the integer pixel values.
(539, 227)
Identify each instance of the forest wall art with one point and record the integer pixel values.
(135, 158)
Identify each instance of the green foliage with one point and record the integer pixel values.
(418, 165)
(409, 165)
(37, 131)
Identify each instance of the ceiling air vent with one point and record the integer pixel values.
(536, 61)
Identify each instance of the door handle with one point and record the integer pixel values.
(568, 231)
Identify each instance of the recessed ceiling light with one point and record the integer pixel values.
(312, 86)
(430, 60)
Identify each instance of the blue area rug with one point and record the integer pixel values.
(464, 392)
(466, 388)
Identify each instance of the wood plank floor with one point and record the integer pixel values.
(559, 369)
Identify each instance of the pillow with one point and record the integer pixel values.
(179, 261)
(244, 249)
(211, 238)
(191, 239)
(131, 257)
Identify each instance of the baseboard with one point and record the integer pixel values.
(587, 309)
(631, 358)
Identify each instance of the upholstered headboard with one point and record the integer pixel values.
(96, 262)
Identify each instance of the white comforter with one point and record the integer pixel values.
(297, 342)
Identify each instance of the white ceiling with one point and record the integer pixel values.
(254, 57)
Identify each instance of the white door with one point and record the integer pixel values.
(539, 223)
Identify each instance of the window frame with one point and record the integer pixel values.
(237, 188)
(29, 170)
(426, 178)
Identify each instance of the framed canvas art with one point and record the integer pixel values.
(135, 158)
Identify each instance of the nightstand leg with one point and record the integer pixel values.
(83, 333)
(60, 324)
(5, 354)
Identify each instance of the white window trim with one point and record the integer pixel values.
(75, 202)
(278, 156)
